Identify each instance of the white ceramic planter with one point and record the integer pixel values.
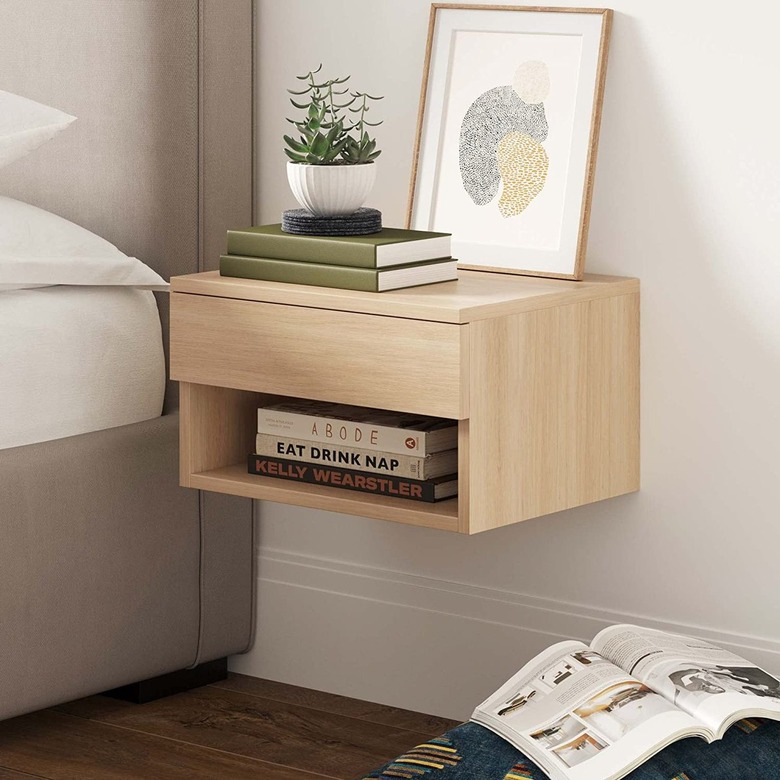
(331, 190)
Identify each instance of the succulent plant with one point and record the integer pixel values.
(326, 136)
(363, 148)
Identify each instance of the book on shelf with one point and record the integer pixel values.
(388, 247)
(342, 277)
(598, 711)
(331, 476)
(357, 426)
(437, 464)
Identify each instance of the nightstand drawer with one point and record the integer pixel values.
(369, 360)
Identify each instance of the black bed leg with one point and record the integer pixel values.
(169, 684)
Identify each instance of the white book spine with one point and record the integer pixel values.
(392, 464)
(328, 430)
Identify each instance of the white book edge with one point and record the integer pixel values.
(413, 251)
(342, 432)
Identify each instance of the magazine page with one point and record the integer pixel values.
(712, 684)
(580, 717)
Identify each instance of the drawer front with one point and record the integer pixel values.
(365, 359)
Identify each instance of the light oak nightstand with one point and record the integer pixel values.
(542, 375)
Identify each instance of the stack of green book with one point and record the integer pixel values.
(388, 260)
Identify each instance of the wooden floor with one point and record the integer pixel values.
(240, 728)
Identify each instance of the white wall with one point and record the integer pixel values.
(687, 198)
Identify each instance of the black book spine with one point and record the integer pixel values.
(362, 481)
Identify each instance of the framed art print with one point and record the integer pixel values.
(507, 134)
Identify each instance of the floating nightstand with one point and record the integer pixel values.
(542, 375)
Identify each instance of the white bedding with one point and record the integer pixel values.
(77, 359)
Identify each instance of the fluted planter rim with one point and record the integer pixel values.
(331, 190)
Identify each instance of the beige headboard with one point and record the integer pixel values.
(160, 161)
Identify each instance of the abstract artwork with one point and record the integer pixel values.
(501, 140)
(507, 136)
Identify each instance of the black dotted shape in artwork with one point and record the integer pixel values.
(303, 223)
(490, 117)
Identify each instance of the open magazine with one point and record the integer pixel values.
(598, 712)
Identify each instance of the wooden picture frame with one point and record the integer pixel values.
(506, 170)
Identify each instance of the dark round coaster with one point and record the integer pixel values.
(303, 223)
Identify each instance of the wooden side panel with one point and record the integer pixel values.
(217, 428)
(464, 477)
(554, 410)
(385, 362)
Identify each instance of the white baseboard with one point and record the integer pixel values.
(414, 642)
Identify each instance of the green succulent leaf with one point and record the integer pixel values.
(309, 74)
(334, 133)
(319, 145)
(339, 147)
(296, 146)
(333, 127)
(335, 151)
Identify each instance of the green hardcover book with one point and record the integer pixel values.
(388, 247)
(344, 277)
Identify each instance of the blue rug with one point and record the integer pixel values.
(749, 751)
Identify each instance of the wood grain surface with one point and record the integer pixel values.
(235, 481)
(239, 728)
(340, 356)
(55, 746)
(560, 414)
(474, 296)
(339, 705)
(542, 375)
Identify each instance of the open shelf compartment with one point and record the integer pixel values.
(218, 427)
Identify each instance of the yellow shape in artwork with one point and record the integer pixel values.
(523, 164)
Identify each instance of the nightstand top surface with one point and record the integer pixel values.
(476, 295)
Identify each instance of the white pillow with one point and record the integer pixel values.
(25, 125)
(40, 249)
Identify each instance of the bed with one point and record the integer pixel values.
(110, 573)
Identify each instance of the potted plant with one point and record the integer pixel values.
(331, 169)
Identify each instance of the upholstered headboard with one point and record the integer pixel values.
(160, 159)
(148, 576)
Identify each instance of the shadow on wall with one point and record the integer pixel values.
(706, 514)
(708, 382)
